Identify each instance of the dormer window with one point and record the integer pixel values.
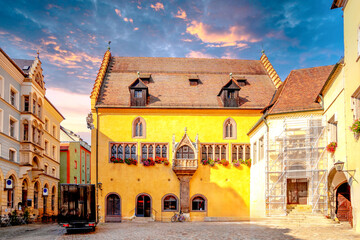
(229, 94)
(194, 82)
(242, 82)
(138, 93)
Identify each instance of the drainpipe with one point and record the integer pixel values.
(97, 165)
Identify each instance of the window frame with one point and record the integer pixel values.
(243, 151)
(13, 150)
(123, 144)
(231, 132)
(205, 203)
(163, 203)
(213, 146)
(16, 94)
(154, 145)
(11, 118)
(142, 132)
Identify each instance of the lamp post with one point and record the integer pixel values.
(339, 166)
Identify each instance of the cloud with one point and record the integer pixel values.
(198, 54)
(181, 14)
(117, 11)
(75, 114)
(186, 40)
(135, 29)
(234, 36)
(128, 20)
(158, 6)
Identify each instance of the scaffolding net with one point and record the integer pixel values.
(296, 166)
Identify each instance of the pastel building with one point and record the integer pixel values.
(75, 155)
(171, 133)
(29, 139)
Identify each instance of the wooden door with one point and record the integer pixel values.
(297, 191)
(113, 208)
(343, 203)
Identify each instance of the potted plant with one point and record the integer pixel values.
(211, 162)
(247, 162)
(331, 147)
(112, 159)
(204, 161)
(224, 162)
(236, 162)
(356, 126)
(158, 160)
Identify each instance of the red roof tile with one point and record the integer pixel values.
(300, 89)
(170, 87)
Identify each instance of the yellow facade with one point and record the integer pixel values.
(352, 83)
(226, 189)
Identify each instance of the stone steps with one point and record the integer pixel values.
(142, 219)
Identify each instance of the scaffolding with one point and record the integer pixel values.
(297, 154)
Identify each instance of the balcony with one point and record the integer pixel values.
(185, 166)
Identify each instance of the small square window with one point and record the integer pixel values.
(138, 94)
(12, 97)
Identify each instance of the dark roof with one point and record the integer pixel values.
(24, 64)
(300, 90)
(169, 86)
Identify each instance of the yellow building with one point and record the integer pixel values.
(351, 106)
(169, 133)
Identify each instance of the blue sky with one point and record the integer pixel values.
(72, 37)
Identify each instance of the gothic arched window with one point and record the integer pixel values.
(139, 128)
(229, 129)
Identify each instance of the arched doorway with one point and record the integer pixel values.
(113, 208)
(143, 205)
(24, 193)
(343, 203)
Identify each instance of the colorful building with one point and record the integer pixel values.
(288, 148)
(75, 155)
(169, 134)
(29, 139)
(349, 110)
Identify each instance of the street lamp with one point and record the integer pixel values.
(339, 166)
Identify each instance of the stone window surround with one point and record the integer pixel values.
(163, 203)
(213, 146)
(233, 126)
(15, 154)
(1, 119)
(154, 144)
(143, 124)
(123, 144)
(16, 128)
(205, 205)
(238, 146)
(12, 88)
(2, 80)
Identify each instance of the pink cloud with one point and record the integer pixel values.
(181, 14)
(158, 6)
(135, 29)
(186, 40)
(198, 54)
(75, 114)
(117, 11)
(234, 36)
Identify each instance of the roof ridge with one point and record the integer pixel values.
(312, 67)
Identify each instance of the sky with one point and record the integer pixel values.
(72, 37)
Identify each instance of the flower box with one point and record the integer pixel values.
(331, 147)
(356, 126)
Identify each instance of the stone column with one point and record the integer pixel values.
(184, 192)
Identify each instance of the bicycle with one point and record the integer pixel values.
(178, 217)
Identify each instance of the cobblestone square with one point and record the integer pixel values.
(188, 230)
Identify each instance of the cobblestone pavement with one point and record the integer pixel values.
(188, 230)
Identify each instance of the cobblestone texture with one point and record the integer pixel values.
(188, 230)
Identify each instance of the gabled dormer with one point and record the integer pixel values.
(229, 94)
(138, 93)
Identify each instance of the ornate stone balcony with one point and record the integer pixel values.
(185, 165)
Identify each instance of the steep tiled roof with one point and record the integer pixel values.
(169, 85)
(300, 90)
(24, 64)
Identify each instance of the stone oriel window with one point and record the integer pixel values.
(170, 203)
(123, 150)
(139, 128)
(185, 152)
(240, 151)
(229, 129)
(213, 151)
(152, 150)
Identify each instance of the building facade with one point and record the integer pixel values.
(170, 135)
(288, 142)
(30, 144)
(75, 155)
(349, 110)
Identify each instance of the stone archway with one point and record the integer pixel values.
(335, 180)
